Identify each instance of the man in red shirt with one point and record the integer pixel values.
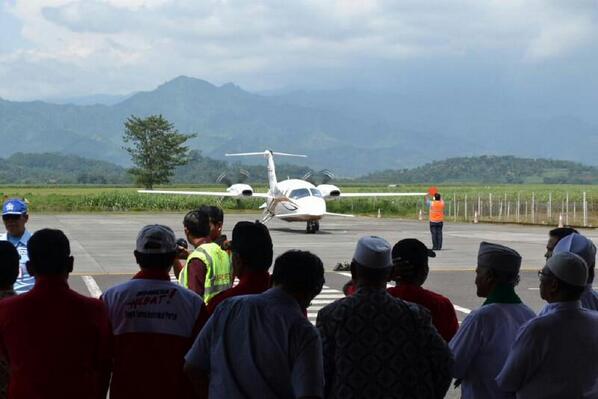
(155, 322)
(410, 257)
(57, 342)
(251, 257)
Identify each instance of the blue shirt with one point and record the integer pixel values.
(260, 346)
(555, 355)
(25, 281)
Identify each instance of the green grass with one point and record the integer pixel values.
(125, 198)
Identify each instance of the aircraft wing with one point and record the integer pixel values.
(205, 193)
(364, 195)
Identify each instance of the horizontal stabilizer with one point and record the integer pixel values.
(264, 153)
(346, 215)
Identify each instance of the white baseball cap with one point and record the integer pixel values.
(569, 267)
(373, 252)
(156, 239)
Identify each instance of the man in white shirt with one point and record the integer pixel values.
(584, 247)
(482, 343)
(555, 355)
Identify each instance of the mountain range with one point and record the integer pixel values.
(351, 132)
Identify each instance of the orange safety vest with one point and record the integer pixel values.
(437, 211)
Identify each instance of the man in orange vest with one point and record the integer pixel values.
(436, 204)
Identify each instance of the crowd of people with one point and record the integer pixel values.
(205, 336)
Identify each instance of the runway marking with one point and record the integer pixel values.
(92, 286)
(462, 309)
(327, 296)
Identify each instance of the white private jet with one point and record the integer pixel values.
(292, 200)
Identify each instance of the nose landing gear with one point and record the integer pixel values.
(312, 227)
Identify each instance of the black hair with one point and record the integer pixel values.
(298, 271)
(437, 196)
(155, 261)
(252, 242)
(9, 264)
(371, 275)
(197, 222)
(562, 232)
(502, 277)
(215, 213)
(49, 251)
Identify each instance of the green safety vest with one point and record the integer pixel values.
(219, 270)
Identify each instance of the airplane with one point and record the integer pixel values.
(291, 200)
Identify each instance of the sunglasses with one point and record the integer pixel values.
(11, 217)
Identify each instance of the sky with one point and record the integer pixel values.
(68, 48)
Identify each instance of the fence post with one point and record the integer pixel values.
(518, 212)
(466, 208)
(549, 207)
(585, 210)
(455, 207)
(490, 205)
(533, 207)
(567, 211)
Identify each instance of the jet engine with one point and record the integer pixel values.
(329, 191)
(241, 190)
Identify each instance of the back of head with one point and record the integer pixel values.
(9, 264)
(504, 262)
(299, 272)
(49, 253)
(372, 261)
(215, 213)
(561, 232)
(252, 242)
(155, 247)
(410, 257)
(437, 196)
(197, 223)
(571, 271)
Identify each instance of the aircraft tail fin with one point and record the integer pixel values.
(269, 155)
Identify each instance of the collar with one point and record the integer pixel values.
(502, 293)
(280, 295)
(152, 274)
(408, 286)
(558, 306)
(200, 241)
(251, 276)
(24, 239)
(52, 282)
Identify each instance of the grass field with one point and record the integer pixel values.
(541, 204)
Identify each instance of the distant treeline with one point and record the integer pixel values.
(492, 170)
(52, 168)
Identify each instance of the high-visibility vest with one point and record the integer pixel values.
(437, 211)
(218, 273)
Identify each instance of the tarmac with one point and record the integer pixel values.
(103, 244)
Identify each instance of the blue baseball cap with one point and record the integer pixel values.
(14, 206)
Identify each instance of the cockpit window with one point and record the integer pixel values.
(299, 193)
(315, 192)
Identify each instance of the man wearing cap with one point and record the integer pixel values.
(585, 248)
(410, 257)
(154, 323)
(556, 235)
(14, 216)
(555, 355)
(378, 346)
(483, 342)
(251, 257)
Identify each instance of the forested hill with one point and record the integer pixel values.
(54, 168)
(491, 169)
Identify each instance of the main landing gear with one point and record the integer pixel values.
(312, 226)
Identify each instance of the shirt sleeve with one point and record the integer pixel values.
(105, 350)
(523, 360)
(197, 276)
(439, 356)
(465, 344)
(307, 373)
(199, 354)
(448, 323)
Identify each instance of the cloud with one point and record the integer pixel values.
(128, 45)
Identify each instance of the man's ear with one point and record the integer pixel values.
(70, 263)
(26, 217)
(30, 268)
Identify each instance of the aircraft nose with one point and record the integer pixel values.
(315, 206)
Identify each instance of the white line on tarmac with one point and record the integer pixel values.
(92, 286)
(461, 309)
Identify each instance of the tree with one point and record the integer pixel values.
(156, 149)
